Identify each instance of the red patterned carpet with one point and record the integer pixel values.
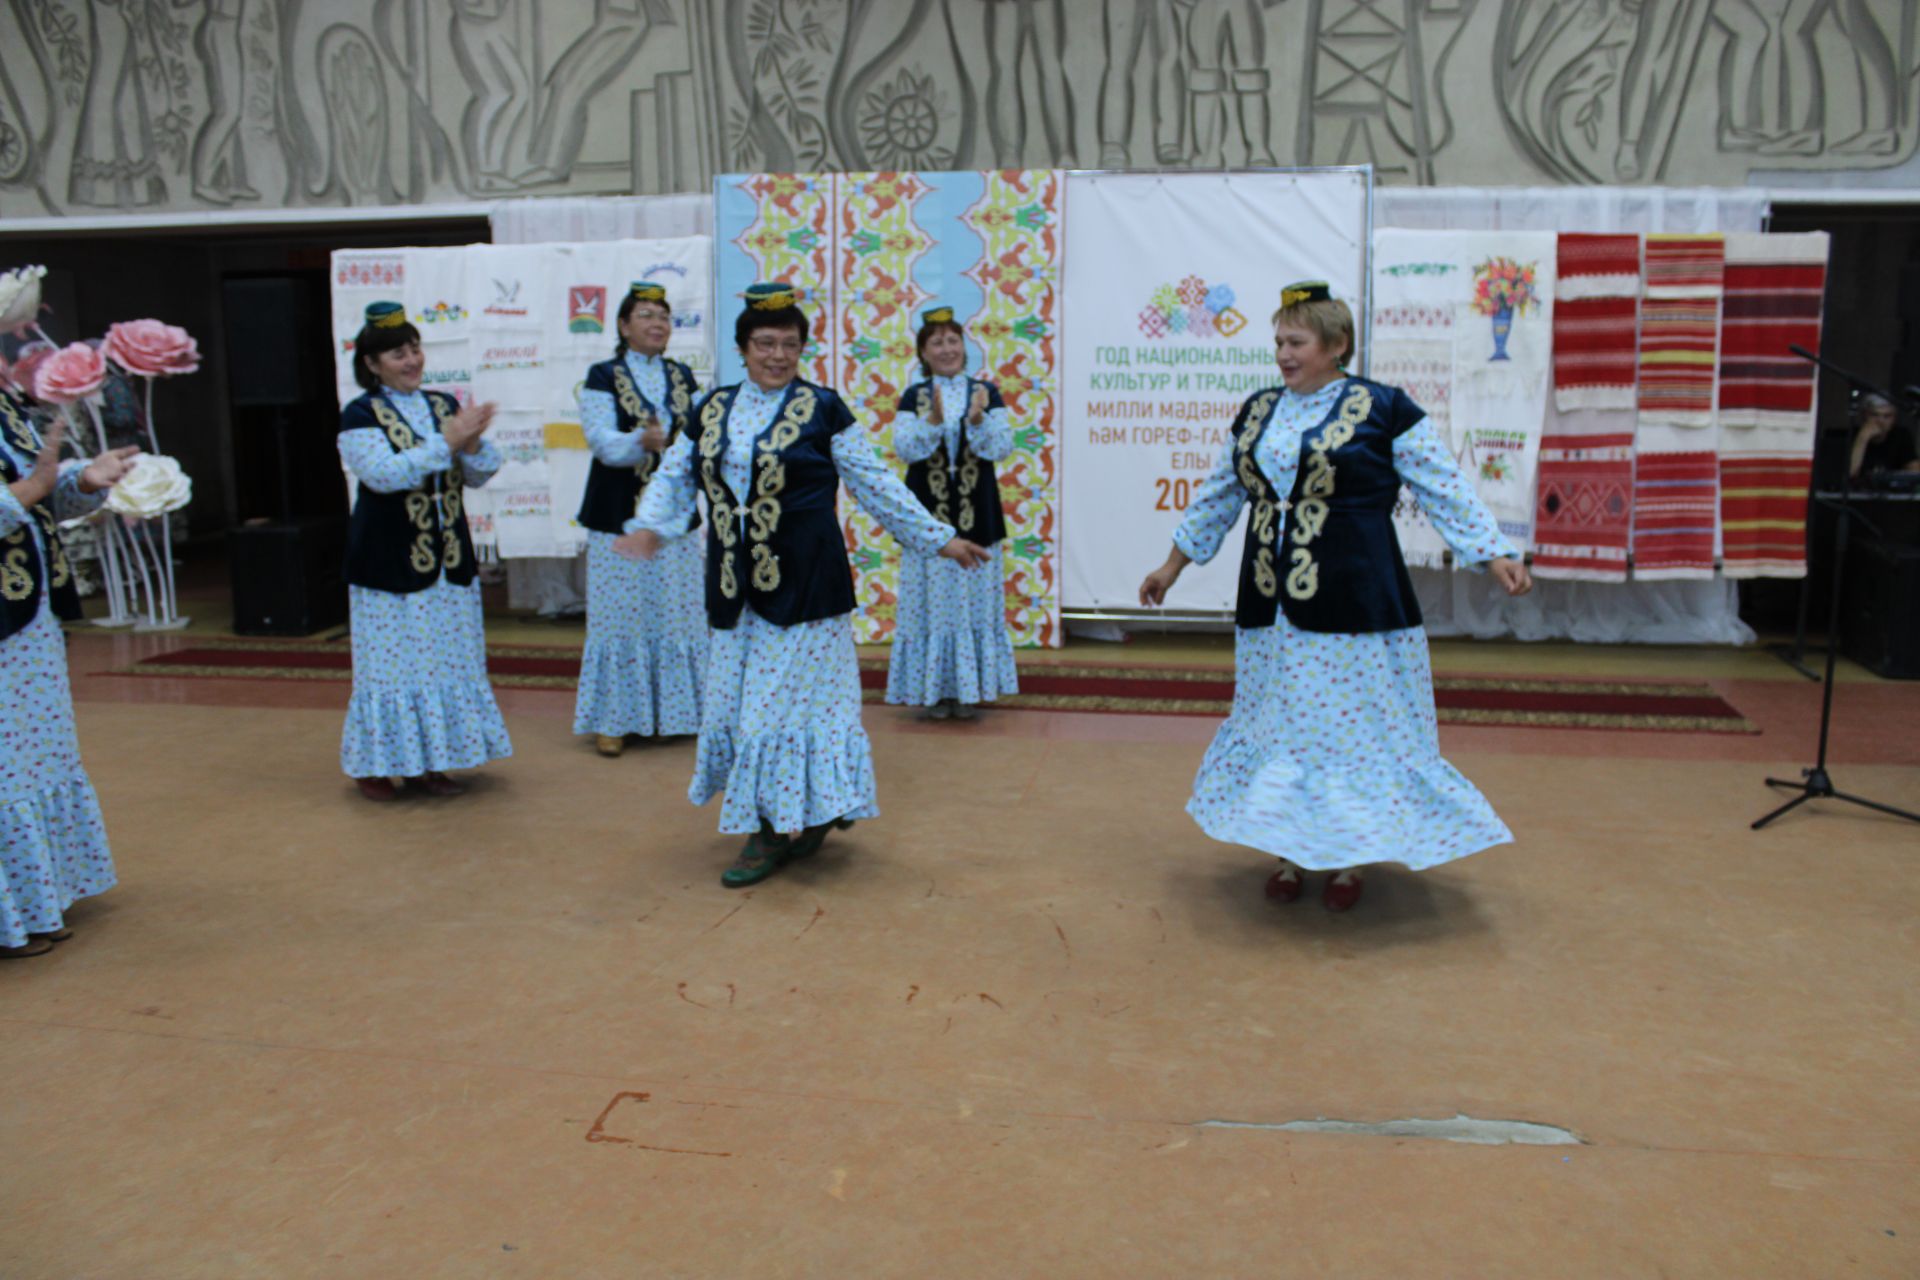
(1554, 703)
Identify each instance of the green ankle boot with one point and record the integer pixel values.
(765, 852)
(808, 842)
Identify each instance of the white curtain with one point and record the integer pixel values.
(556, 586)
(1469, 604)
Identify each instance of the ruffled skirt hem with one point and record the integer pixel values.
(53, 852)
(1418, 814)
(408, 732)
(636, 687)
(790, 778)
(971, 667)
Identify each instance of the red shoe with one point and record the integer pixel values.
(435, 783)
(1286, 884)
(1339, 896)
(376, 788)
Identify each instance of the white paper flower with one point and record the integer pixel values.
(155, 486)
(19, 297)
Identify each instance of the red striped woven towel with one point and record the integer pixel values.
(1584, 507)
(1598, 267)
(1674, 506)
(1593, 353)
(1685, 266)
(1775, 286)
(1678, 338)
(1763, 515)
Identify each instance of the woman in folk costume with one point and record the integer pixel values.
(421, 703)
(780, 730)
(951, 649)
(1330, 759)
(53, 842)
(646, 620)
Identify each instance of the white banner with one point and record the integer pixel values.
(1169, 284)
(518, 325)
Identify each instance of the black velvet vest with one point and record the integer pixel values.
(789, 559)
(613, 493)
(401, 542)
(22, 576)
(1328, 555)
(963, 492)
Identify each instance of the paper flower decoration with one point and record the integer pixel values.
(28, 359)
(72, 373)
(150, 349)
(155, 486)
(20, 298)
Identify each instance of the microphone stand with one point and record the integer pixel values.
(1816, 783)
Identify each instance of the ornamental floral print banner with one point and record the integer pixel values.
(871, 251)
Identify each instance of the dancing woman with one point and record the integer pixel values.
(1330, 759)
(951, 647)
(780, 731)
(646, 623)
(421, 703)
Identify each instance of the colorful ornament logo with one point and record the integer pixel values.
(1193, 309)
(587, 309)
(441, 313)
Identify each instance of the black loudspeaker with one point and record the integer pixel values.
(1881, 623)
(288, 579)
(271, 341)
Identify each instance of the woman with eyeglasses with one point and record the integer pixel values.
(646, 623)
(780, 732)
(951, 648)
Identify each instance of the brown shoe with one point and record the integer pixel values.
(608, 744)
(376, 788)
(57, 935)
(435, 783)
(34, 947)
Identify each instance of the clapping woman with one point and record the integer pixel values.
(951, 648)
(421, 703)
(1330, 759)
(646, 620)
(53, 842)
(780, 731)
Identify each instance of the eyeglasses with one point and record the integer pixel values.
(776, 346)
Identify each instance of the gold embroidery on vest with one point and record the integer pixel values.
(1310, 516)
(453, 507)
(1265, 580)
(628, 395)
(713, 422)
(1304, 580)
(15, 582)
(399, 434)
(770, 481)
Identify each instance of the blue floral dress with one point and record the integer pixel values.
(53, 841)
(646, 650)
(780, 731)
(951, 639)
(1331, 755)
(421, 702)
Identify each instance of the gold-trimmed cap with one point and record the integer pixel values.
(1306, 291)
(648, 291)
(937, 315)
(776, 295)
(386, 315)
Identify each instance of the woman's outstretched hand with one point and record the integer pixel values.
(644, 545)
(968, 555)
(1512, 575)
(1153, 591)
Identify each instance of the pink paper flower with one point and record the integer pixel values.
(69, 374)
(150, 349)
(26, 360)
